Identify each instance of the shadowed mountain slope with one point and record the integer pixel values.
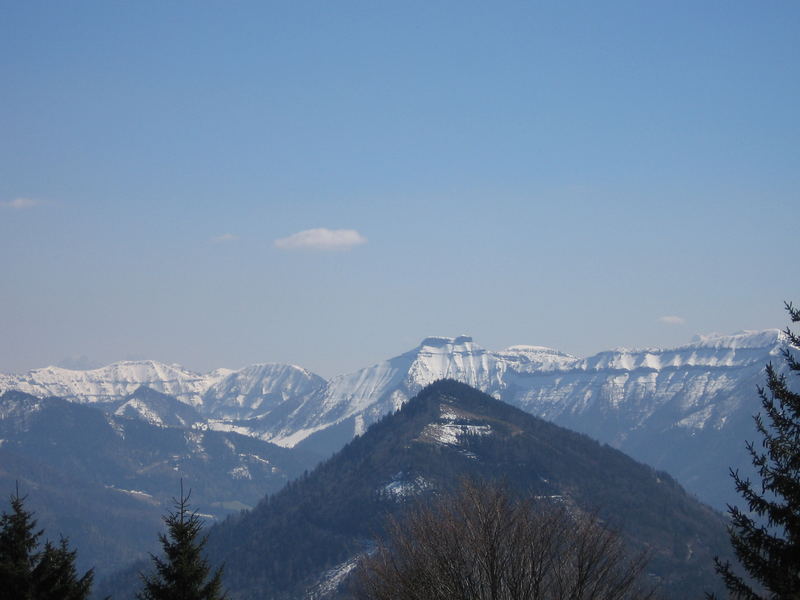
(105, 480)
(306, 536)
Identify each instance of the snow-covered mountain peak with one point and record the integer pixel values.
(278, 367)
(286, 403)
(259, 389)
(219, 374)
(713, 350)
(448, 358)
(528, 349)
(111, 382)
(260, 368)
(367, 394)
(527, 359)
(742, 339)
(438, 341)
(130, 370)
(158, 409)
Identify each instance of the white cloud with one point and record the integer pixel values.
(20, 203)
(672, 320)
(322, 239)
(225, 237)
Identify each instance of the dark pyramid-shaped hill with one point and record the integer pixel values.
(309, 531)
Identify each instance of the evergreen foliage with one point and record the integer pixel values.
(18, 542)
(771, 553)
(183, 573)
(27, 573)
(55, 577)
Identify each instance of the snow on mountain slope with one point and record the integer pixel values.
(688, 386)
(530, 359)
(114, 382)
(259, 389)
(635, 385)
(366, 395)
(286, 403)
(663, 406)
(740, 349)
(686, 410)
(157, 409)
(547, 382)
(222, 393)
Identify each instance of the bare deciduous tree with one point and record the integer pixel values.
(481, 544)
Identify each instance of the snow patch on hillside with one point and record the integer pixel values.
(401, 488)
(333, 578)
(240, 472)
(451, 427)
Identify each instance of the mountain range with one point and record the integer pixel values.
(686, 410)
(104, 479)
(304, 541)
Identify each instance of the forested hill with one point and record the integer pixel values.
(104, 480)
(294, 540)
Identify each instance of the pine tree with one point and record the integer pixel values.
(183, 573)
(771, 553)
(29, 574)
(55, 577)
(18, 542)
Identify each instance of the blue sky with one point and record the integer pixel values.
(562, 174)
